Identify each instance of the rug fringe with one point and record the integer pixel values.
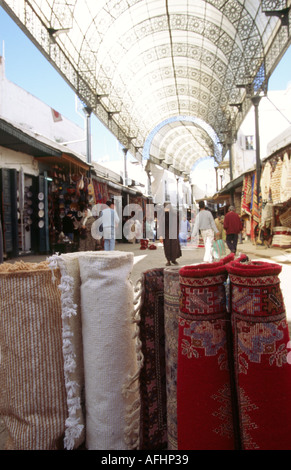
(73, 427)
(132, 429)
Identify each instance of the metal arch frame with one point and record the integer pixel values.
(197, 121)
(50, 44)
(243, 57)
(173, 145)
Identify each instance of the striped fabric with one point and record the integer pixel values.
(32, 392)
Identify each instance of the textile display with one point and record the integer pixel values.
(276, 182)
(281, 237)
(171, 311)
(246, 194)
(267, 214)
(285, 218)
(285, 184)
(256, 202)
(260, 342)
(110, 358)
(153, 420)
(204, 398)
(266, 181)
(33, 402)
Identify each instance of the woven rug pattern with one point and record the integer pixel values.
(260, 345)
(153, 431)
(197, 360)
(204, 407)
(171, 308)
(32, 388)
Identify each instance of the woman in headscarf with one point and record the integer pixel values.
(172, 248)
(87, 242)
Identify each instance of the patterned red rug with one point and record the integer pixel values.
(153, 429)
(204, 398)
(260, 342)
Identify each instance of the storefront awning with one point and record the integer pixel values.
(30, 143)
(16, 139)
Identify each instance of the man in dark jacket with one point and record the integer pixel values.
(233, 226)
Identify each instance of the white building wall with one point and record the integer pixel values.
(17, 160)
(27, 111)
(274, 118)
(281, 141)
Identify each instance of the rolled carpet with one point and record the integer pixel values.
(204, 398)
(153, 422)
(260, 342)
(109, 346)
(171, 312)
(33, 402)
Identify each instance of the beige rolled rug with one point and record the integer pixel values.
(111, 368)
(32, 389)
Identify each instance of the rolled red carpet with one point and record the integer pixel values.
(204, 407)
(260, 339)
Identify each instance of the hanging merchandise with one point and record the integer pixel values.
(101, 192)
(285, 218)
(267, 214)
(256, 202)
(285, 183)
(266, 181)
(276, 182)
(246, 194)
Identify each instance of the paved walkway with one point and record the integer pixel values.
(149, 259)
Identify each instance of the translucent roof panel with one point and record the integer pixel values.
(138, 63)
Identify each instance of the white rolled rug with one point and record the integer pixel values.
(110, 357)
(101, 349)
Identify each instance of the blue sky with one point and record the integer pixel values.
(28, 68)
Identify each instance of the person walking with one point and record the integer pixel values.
(68, 225)
(205, 223)
(110, 221)
(184, 230)
(233, 226)
(172, 248)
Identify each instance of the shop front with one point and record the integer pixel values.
(267, 218)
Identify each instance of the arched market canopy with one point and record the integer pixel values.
(138, 63)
